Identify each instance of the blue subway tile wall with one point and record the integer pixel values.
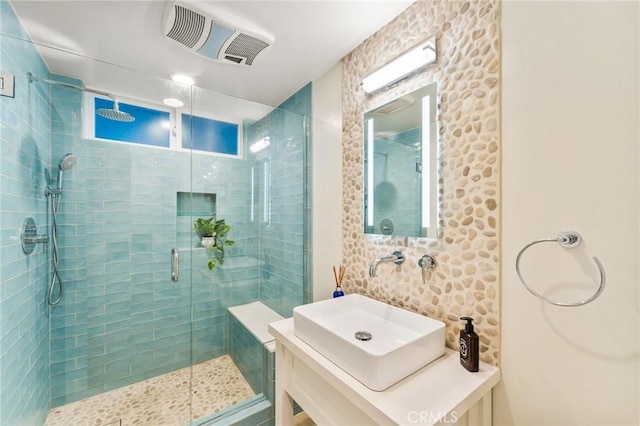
(69, 358)
(247, 354)
(270, 376)
(282, 239)
(24, 165)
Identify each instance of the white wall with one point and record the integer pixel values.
(570, 161)
(326, 180)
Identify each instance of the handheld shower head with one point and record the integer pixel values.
(67, 162)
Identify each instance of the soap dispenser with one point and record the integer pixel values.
(469, 346)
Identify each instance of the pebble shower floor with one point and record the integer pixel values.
(161, 400)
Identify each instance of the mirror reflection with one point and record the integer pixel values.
(401, 166)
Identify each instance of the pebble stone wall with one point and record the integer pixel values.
(467, 71)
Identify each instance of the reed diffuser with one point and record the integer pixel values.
(338, 276)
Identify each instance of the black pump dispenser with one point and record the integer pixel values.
(469, 346)
(468, 327)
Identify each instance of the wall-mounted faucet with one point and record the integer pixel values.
(396, 257)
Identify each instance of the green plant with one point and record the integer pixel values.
(210, 227)
(205, 227)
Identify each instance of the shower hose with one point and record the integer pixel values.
(55, 277)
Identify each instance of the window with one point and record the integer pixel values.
(150, 127)
(153, 127)
(209, 135)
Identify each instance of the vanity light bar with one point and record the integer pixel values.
(413, 60)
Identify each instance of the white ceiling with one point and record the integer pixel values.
(310, 38)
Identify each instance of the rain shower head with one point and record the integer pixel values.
(115, 114)
(111, 114)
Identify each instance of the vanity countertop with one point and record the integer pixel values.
(439, 390)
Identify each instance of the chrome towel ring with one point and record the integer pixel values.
(567, 239)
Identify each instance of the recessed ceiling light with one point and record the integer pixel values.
(184, 79)
(173, 102)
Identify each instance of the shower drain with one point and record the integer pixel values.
(364, 336)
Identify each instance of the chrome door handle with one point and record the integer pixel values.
(175, 265)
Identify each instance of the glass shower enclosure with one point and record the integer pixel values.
(143, 328)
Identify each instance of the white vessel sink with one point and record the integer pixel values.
(401, 342)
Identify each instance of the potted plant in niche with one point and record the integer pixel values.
(213, 234)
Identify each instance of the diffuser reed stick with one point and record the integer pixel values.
(338, 276)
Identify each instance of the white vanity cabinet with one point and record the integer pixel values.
(441, 393)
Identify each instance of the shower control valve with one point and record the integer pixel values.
(29, 236)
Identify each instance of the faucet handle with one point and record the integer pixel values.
(425, 263)
(398, 257)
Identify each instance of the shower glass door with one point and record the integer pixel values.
(257, 185)
(120, 347)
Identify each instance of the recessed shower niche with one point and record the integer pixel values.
(190, 206)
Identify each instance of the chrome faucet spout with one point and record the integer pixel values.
(396, 257)
(374, 265)
(372, 268)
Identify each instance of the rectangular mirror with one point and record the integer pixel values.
(401, 166)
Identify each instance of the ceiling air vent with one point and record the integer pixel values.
(188, 26)
(214, 37)
(245, 46)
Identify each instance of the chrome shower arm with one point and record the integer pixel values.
(33, 78)
(100, 92)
